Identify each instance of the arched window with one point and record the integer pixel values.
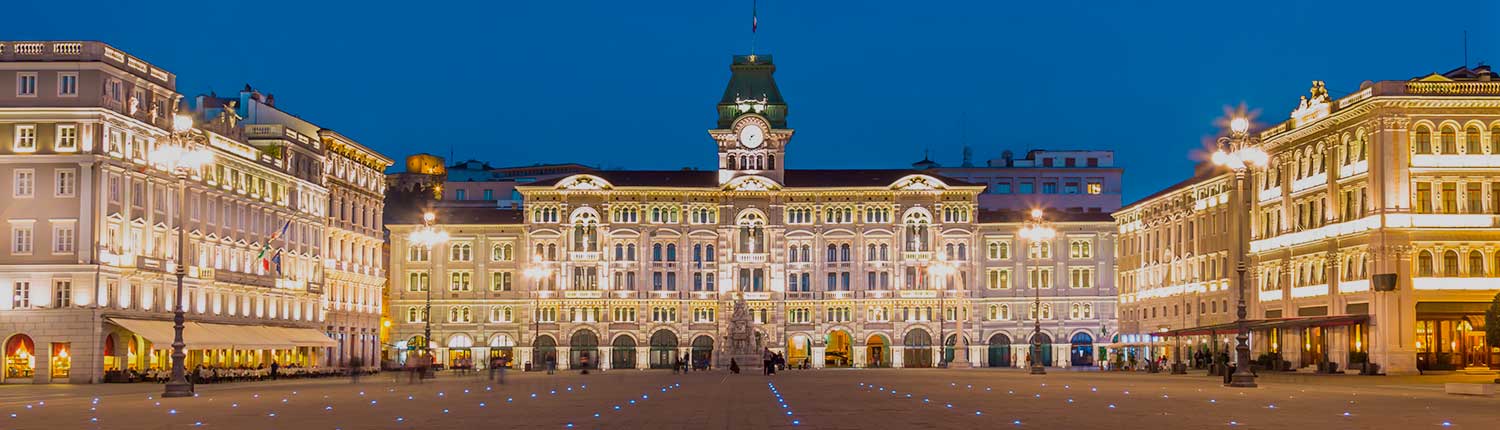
(630, 252)
(620, 251)
(697, 253)
(844, 253)
(585, 230)
(870, 253)
(963, 251)
(832, 254)
(1423, 140)
(461, 252)
(1424, 263)
(1472, 138)
(656, 252)
(708, 253)
(671, 252)
(806, 253)
(1476, 264)
(1450, 263)
(885, 252)
(917, 223)
(752, 234)
(1450, 140)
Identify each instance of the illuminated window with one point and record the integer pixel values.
(25, 138)
(1449, 141)
(1423, 140)
(1095, 187)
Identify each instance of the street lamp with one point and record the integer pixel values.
(1037, 229)
(538, 272)
(1239, 151)
(180, 159)
(942, 269)
(428, 237)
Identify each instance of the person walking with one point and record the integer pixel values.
(354, 368)
(769, 359)
(734, 367)
(275, 367)
(551, 364)
(583, 363)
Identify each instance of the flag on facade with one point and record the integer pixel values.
(276, 259)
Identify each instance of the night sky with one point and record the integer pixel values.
(870, 84)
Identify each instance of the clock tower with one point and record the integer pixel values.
(751, 132)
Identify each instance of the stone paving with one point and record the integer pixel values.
(823, 399)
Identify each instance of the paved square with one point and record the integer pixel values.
(832, 399)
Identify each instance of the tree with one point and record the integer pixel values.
(1492, 325)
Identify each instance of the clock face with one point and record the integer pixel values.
(752, 136)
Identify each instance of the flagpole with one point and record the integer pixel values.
(754, 24)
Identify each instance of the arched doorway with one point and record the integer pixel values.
(20, 358)
(543, 351)
(918, 348)
(999, 350)
(622, 355)
(583, 350)
(502, 347)
(703, 351)
(416, 346)
(797, 349)
(1046, 348)
(663, 349)
(1082, 352)
(877, 351)
(839, 350)
(459, 355)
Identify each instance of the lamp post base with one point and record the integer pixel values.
(1239, 380)
(1038, 370)
(178, 389)
(960, 364)
(1179, 369)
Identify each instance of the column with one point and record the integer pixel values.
(898, 354)
(605, 355)
(523, 356)
(564, 357)
(643, 357)
(859, 355)
(816, 355)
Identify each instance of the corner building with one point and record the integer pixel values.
(1373, 233)
(635, 269)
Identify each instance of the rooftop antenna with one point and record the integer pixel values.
(1466, 48)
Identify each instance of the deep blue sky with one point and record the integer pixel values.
(632, 84)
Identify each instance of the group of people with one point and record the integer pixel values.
(772, 361)
(216, 374)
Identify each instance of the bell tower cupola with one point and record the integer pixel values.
(751, 132)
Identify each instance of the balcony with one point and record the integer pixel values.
(750, 258)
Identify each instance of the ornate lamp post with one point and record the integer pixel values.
(537, 272)
(180, 159)
(942, 269)
(428, 237)
(1239, 151)
(1037, 230)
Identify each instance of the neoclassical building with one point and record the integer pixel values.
(846, 268)
(1374, 231)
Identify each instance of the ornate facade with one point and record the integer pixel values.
(1374, 235)
(849, 268)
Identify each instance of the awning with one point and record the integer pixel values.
(1269, 323)
(304, 337)
(224, 336)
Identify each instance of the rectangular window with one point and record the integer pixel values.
(22, 295)
(460, 281)
(62, 293)
(67, 84)
(1095, 187)
(1424, 198)
(1474, 194)
(25, 183)
(1071, 186)
(460, 194)
(1000, 188)
(63, 238)
(20, 239)
(67, 138)
(999, 279)
(1450, 198)
(417, 281)
(501, 281)
(67, 183)
(489, 194)
(1049, 188)
(25, 140)
(1027, 187)
(26, 84)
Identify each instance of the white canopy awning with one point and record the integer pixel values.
(224, 336)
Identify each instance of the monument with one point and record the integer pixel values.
(743, 346)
